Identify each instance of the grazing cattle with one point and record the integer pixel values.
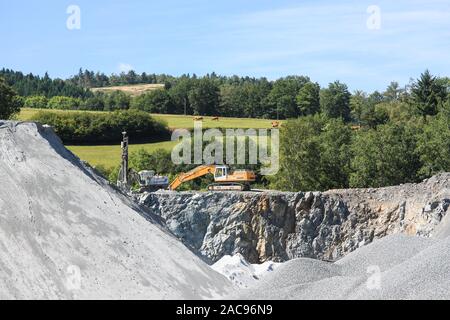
(356, 128)
(198, 118)
(215, 119)
(275, 124)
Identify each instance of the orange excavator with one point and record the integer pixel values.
(225, 180)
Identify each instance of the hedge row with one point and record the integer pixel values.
(104, 128)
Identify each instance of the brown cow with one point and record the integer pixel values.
(275, 124)
(198, 118)
(215, 119)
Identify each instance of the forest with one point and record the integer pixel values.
(214, 95)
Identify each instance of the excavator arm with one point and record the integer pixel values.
(191, 175)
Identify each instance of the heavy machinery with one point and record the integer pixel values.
(147, 180)
(224, 178)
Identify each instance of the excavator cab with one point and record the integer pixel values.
(225, 179)
(220, 173)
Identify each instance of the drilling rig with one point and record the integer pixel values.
(122, 179)
(147, 180)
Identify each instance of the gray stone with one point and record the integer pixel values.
(279, 226)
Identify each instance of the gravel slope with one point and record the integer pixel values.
(395, 267)
(65, 234)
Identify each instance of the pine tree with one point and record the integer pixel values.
(427, 94)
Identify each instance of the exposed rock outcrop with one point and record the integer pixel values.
(280, 226)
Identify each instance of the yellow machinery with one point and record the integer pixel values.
(224, 179)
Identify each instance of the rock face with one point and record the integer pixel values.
(280, 226)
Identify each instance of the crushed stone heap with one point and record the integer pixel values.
(66, 234)
(397, 267)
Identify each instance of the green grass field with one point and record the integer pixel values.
(179, 121)
(109, 156)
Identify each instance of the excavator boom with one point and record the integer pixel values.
(191, 175)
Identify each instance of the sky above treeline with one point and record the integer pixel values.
(365, 44)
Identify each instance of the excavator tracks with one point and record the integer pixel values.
(228, 187)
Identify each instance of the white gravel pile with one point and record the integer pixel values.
(396, 267)
(64, 233)
(241, 273)
(442, 231)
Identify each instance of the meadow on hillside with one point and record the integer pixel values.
(108, 156)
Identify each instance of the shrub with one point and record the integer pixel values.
(385, 156)
(65, 103)
(9, 102)
(116, 100)
(434, 146)
(39, 102)
(158, 101)
(93, 103)
(158, 160)
(314, 154)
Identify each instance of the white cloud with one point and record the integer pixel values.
(125, 67)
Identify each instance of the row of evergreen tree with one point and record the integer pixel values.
(33, 85)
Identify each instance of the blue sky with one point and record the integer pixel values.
(326, 40)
